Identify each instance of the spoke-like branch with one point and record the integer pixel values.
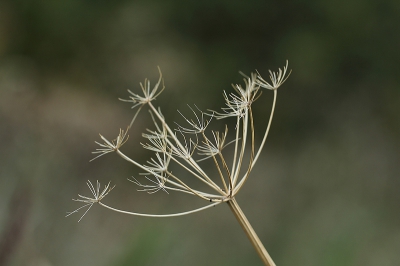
(267, 130)
(237, 188)
(209, 144)
(161, 215)
(242, 150)
(236, 147)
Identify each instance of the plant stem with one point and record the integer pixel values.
(251, 234)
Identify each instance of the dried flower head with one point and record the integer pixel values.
(198, 125)
(111, 146)
(180, 146)
(277, 78)
(183, 145)
(97, 197)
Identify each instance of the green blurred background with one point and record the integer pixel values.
(325, 192)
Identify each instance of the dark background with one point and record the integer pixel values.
(326, 190)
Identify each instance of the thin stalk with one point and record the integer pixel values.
(267, 130)
(207, 142)
(227, 172)
(251, 234)
(243, 147)
(160, 215)
(236, 147)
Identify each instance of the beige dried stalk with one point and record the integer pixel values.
(179, 146)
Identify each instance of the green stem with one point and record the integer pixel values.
(251, 234)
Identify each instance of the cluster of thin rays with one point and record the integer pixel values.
(184, 144)
(97, 197)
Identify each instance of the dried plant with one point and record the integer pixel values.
(184, 144)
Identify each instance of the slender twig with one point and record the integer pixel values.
(251, 234)
(161, 215)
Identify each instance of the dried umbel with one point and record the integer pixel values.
(186, 146)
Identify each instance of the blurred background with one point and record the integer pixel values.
(326, 190)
